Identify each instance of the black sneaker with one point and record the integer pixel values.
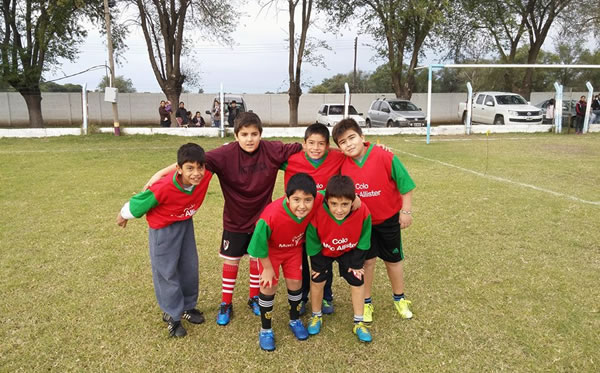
(194, 316)
(175, 328)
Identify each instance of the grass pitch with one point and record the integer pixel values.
(503, 264)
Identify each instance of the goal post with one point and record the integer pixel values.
(432, 67)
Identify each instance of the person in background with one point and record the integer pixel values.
(550, 112)
(580, 108)
(198, 121)
(595, 110)
(216, 113)
(165, 117)
(234, 111)
(181, 115)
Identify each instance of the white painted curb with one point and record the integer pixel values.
(447, 130)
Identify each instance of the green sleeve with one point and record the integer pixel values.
(399, 174)
(142, 202)
(259, 244)
(283, 166)
(313, 242)
(364, 243)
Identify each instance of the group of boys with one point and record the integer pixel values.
(320, 215)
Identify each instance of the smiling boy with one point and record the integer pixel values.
(320, 163)
(338, 234)
(277, 242)
(247, 170)
(169, 206)
(384, 185)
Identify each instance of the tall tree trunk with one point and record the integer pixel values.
(33, 100)
(294, 101)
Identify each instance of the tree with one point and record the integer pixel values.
(35, 35)
(55, 87)
(164, 24)
(402, 28)
(507, 23)
(123, 84)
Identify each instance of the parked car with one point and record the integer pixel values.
(331, 114)
(568, 111)
(394, 113)
(500, 108)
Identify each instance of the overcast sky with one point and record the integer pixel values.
(256, 64)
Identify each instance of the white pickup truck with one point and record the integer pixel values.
(500, 108)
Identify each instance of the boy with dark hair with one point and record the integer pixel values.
(338, 234)
(277, 241)
(384, 185)
(247, 170)
(169, 205)
(319, 162)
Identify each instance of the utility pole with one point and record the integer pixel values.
(354, 76)
(108, 4)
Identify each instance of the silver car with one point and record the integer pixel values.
(394, 113)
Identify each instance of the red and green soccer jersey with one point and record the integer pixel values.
(332, 237)
(330, 165)
(380, 179)
(167, 202)
(278, 229)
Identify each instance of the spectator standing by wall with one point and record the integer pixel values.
(550, 112)
(165, 118)
(595, 109)
(216, 113)
(580, 108)
(234, 111)
(181, 115)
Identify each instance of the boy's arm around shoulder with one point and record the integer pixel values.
(313, 242)
(282, 151)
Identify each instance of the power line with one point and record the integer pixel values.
(97, 67)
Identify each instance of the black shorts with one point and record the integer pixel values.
(386, 241)
(234, 245)
(354, 259)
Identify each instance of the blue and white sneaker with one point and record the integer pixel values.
(266, 340)
(298, 329)
(225, 313)
(253, 304)
(327, 308)
(314, 325)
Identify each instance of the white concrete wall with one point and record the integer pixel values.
(141, 109)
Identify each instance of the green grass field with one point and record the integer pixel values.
(503, 264)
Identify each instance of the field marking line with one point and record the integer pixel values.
(501, 179)
(478, 139)
(85, 150)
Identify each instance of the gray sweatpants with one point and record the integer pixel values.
(174, 267)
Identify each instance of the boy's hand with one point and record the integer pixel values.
(267, 276)
(405, 220)
(356, 203)
(384, 148)
(358, 273)
(121, 222)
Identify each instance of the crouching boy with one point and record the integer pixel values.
(277, 242)
(169, 206)
(336, 233)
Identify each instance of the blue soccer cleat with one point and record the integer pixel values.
(225, 313)
(266, 340)
(253, 304)
(298, 329)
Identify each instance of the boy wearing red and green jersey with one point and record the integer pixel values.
(277, 242)
(338, 234)
(321, 163)
(169, 206)
(384, 185)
